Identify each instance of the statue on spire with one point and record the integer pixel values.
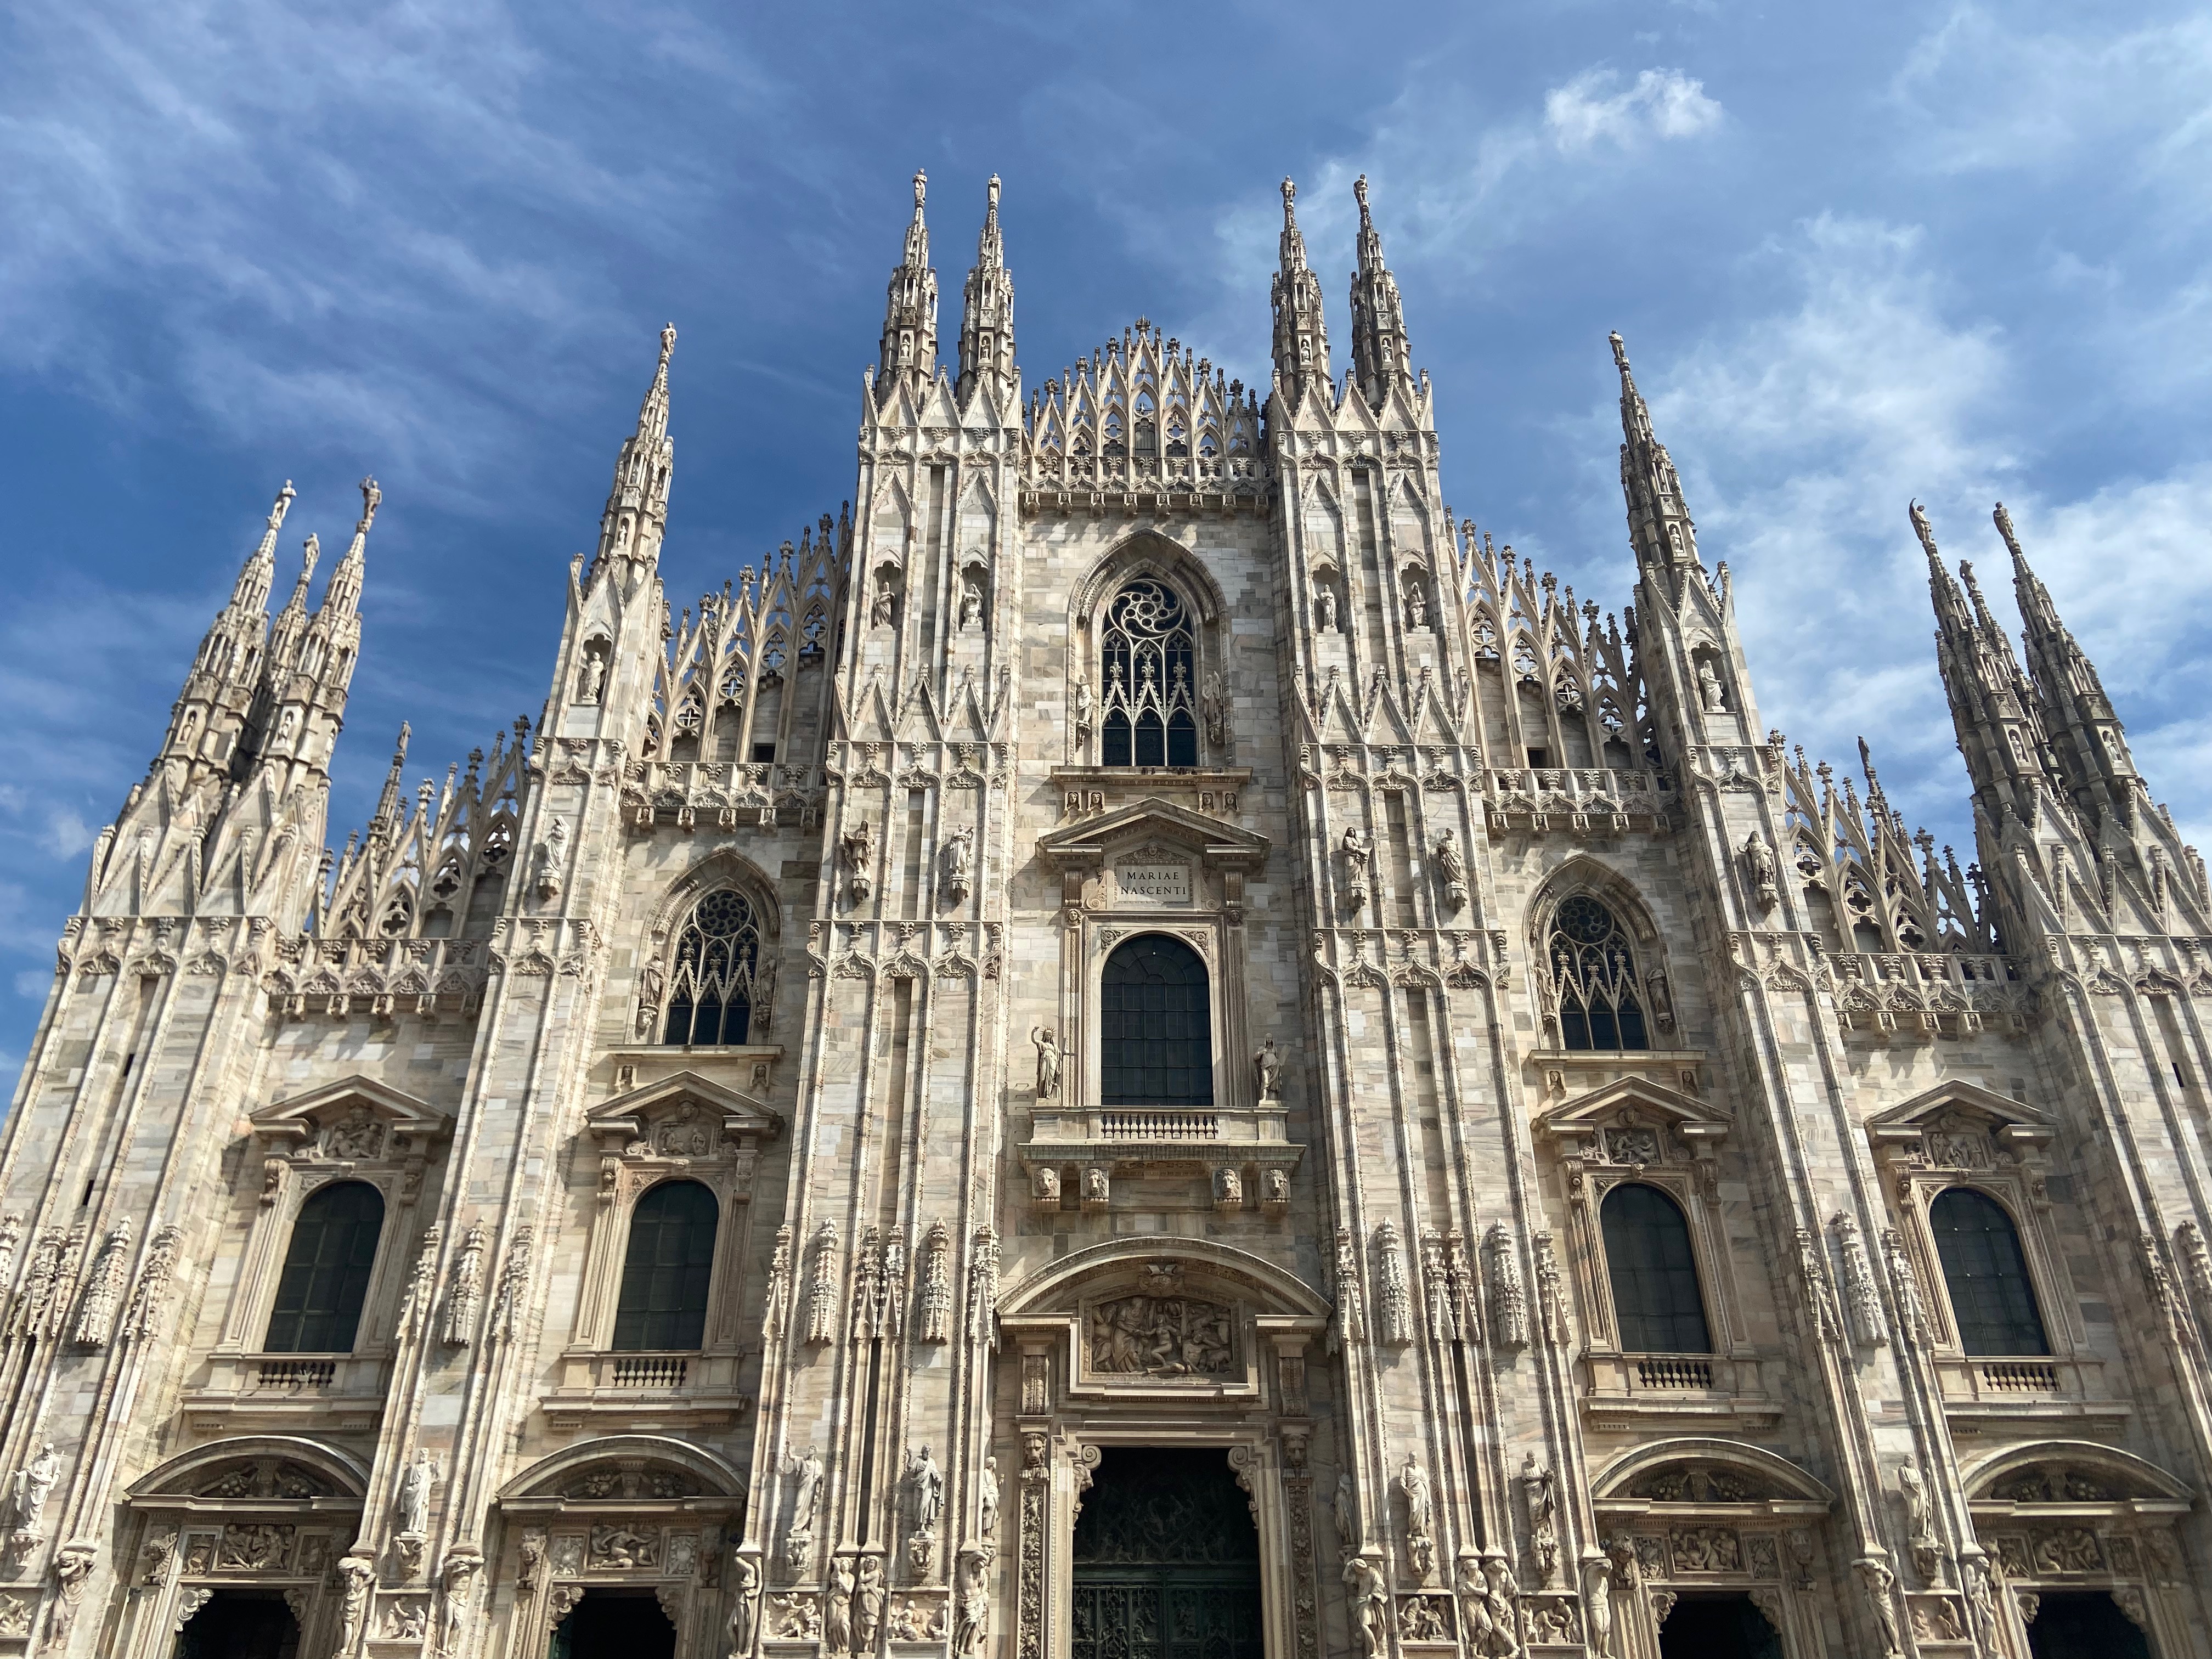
(909, 349)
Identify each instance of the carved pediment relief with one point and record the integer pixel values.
(2071, 1472)
(1634, 1121)
(685, 1115)
(1960, 1125)
(1155, 825)
(254, 1470)
(358, 1120)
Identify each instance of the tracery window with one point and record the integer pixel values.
(1150, 672)
(1657, 1300)
(1156, 1046)
(710, 990)
(1984, 1271)
(1593, 969)
(326, 1270)
(668, 1269)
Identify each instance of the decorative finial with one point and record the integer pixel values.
(1360, 190)
(994, 192)
(283, 506)
(310, 550)
(1922, 529)
(667, 342)
(1619, 351)
(2003, 521)
(370, 496)
(1289, 196)
(399, 751)
(920, 188)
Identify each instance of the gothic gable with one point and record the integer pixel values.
(357, 1117)
(686, 1108)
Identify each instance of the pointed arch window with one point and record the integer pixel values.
(326, 1270)
(1656, 1301)
(1985, 1272)
(1150, 673)
(711, 982)
(1156, 1046)
(668, 1269)
(1594, 971)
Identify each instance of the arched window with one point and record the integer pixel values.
(1156, 1044)
(325, 1277)
(1596, 970)
(1655, 1298)
(1991, 1299)
(710, 993)
(1150, 673)
(667, 1273)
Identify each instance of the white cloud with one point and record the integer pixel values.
(1661, 104)
(34, 985)
(1803, 432)
(66, 834)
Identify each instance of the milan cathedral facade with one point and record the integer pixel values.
(1140, 1047)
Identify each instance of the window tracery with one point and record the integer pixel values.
(714, 980)
(1658, 1302)
(1594, 978)
(1149, 668)
(668, 1269)
(326, 1271)
(1157, 1029)
(1993, 1304)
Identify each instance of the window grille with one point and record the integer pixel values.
(1156, 1046)
(326, 1269)
(1657, 1300)
(668, 1269)
(1992, 1301)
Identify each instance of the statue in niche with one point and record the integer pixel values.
(1758, 864)
(986, 1502)
(411, 1508)
(1347, 1516)
(1324, 608)
(547, 859)
(1540, 1489)
(883, 610)
(1215, 704)
(1355, 849)
(799, 1537)
(856, 850)
(952, 863)
(1451, 868)
(1420, 1514)
(1709, 688)
(28, 1488)
(1267, 1066)
(926, 1481)
(1417, 607)
(591, 676)
(971, 602)
(1047, 1062)
(1085, 707)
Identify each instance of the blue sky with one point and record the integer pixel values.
(1860, 253)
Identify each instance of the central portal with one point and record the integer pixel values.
(1167, 1560)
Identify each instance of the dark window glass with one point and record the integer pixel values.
(1150, 675)
(326, 1269)
(668, 1269)
(1986, 1275)
(1593, 969)
(710, 990)
(1156, 1042)
(1655, 1298)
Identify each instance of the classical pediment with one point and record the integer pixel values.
(684, 1106)
(1945, 1123)
(357, 1117)
(1609, 1119)
(1088, 843)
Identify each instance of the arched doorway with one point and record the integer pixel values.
(614, 1624)
(240, 1624)
(1166, 1560)
(2083, 1624)
(1717, 1627)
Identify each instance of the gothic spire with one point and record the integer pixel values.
(987, 310)
(2088, 740)
(1659, 523)
(386, 818)
(908, 351)
(637, 504)
(1379, 356)
(1992, 706)
(251, 592)
(1301, 331)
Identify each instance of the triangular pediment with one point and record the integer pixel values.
(1217, 843)
(628, 1116)
(358, 1102)
(1948, 1106)
(1634, 1100)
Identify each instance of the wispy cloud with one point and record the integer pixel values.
(1659, 104)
